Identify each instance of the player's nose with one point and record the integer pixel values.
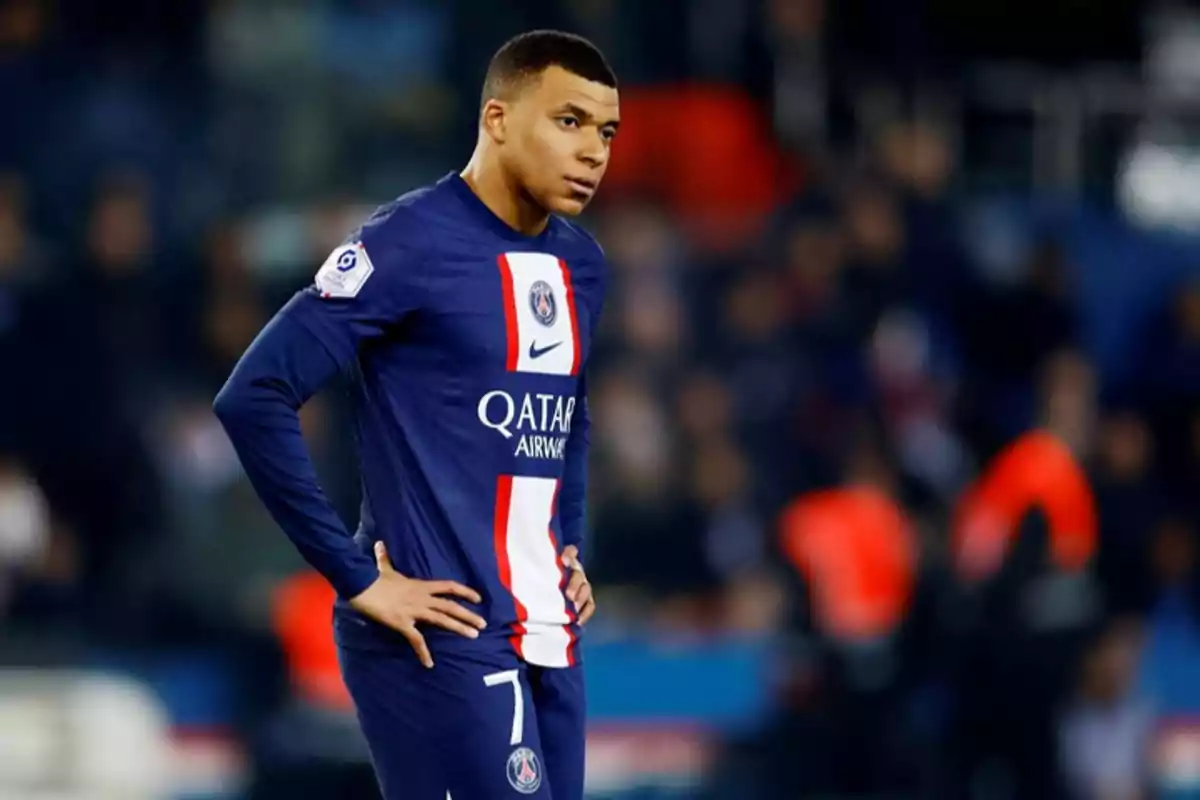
(595, 152)
(594, 158)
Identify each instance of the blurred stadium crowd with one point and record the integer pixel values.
(940, 453)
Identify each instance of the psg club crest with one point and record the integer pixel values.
(541, 302)
(524, 771)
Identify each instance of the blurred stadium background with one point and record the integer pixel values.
(895, 473)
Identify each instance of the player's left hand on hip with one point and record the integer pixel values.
(579, 591)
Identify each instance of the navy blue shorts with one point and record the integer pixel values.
(467, 727)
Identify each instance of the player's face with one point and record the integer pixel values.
(562, 128)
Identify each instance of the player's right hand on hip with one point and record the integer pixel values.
(401, 603)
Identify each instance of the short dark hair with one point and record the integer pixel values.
(527, 55)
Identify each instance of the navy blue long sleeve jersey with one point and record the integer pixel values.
(466, 343)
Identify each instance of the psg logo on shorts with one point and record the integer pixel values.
(541, 301)
(524, 771)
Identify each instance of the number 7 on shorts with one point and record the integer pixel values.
(518, 722)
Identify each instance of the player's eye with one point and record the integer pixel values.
(608, 133)
(569, 121)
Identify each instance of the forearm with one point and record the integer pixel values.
(572, 496)
(259, 409)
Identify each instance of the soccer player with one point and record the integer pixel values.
(463, 314)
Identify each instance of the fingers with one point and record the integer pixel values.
(419, 647)
(583, 593)
(579, 591)
(453, 609)
(457, 589)
(449, 623)
(587, 609)
(435, 587)
(381, 557)
(585, 603)
(578, 581)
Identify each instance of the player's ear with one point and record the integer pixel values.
(493, 119)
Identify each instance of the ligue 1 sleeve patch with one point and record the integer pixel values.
(345, 271)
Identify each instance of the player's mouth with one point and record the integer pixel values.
(582, 186)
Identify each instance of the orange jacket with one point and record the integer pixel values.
(856, 549)
(302, 614)
(1035, 471)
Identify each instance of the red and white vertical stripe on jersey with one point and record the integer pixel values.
(570, 293)
(531, 569)
(500, 522)
(564, 578)
(510, 315)
(549, 344)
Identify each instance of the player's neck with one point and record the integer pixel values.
(496, 190)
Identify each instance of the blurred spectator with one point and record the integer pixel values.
(231, 321)
(721, 481)
(24, 527)
(1024, 632)
(1171, 379)
(22, 23)
(757, 359)
(796, 40)
(1067, 400)
(813, 254)
(653, 323)
(39, 566)
(21, 259)
(1130, 505)
(915, 403)
(918, 155)
(704, 406)
(641, 507)
(1007, 332)
(876, 274)
(22, 269)
(640, 242)
(854, 550)
(87, 355)
(1105, 733)
(640, 445)
(115, 293)
(219, 306)
(1173, 649)
(1023, 541)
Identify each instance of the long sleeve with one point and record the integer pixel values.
(363, 291)
(572, 497)
(259, 408)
